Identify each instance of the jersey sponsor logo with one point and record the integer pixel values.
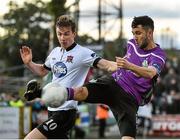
(70, 59)
(59, 69)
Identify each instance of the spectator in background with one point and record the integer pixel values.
(16, 101)
(79, 132)
(173, 103)
(175, 64)
(4, 99)
(159, 98)
(102, 115)
(145, 120)
(170, 80)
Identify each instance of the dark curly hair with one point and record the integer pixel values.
(145, 21)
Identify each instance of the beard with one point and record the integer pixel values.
(144, 44)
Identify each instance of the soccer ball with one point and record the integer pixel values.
(54, 95)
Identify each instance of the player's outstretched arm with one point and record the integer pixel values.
(146, 72)
(107, 65)
(26, 56)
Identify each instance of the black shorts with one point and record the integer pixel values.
(59, 124)
(123, 105)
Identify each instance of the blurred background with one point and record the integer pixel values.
(103, 26)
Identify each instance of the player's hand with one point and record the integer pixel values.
(123, 63)
(26, 54)
(33, 90)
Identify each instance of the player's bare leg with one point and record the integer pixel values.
(35, 134)
(80, 93)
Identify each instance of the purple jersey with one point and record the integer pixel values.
(128, 80)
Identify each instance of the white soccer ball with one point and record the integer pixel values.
(54, 95)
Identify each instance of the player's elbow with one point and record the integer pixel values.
(152, 72)
(43, 72)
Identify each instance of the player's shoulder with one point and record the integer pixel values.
(82, 49)
(160, 51)
(55, 49)
(85, 52)
(131, 42)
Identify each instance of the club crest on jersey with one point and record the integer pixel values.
(70, 59)
(59, 69)
(145, 63)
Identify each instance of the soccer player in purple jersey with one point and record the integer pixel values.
(126, 88)
(133, 79)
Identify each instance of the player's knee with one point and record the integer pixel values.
(81, 93)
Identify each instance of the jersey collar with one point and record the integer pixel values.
(71, 47)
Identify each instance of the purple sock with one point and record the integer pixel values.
(70, 93)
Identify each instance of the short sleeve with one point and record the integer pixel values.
(157, 61)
